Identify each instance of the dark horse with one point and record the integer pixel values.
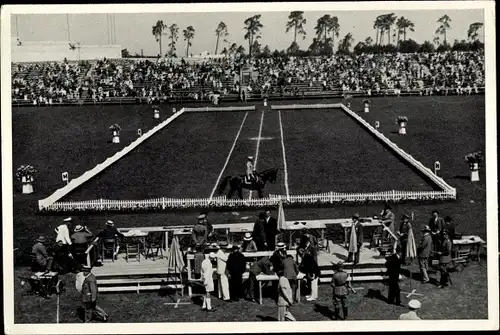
(237, 183)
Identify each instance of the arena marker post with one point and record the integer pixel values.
(377, 125)
(139, 132)
(65, 177)
(437, 167)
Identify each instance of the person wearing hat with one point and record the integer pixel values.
(388, 219)
(235, 268)
(41, 260)
(80, 238)
(199, 233)
(248, 244)
(404, 229)
(62, 232)
(110, 235)
(291, 270)
(436, 224)
(356, 224)
(207, 277)
(285, 298)
(340, 292)
(211, 234)
(393, 265)
(414, 305)
(223, 282)
(444, 259)
(278, 256)
(250, 170)
(89, 294)
(259, 233)
(424, 250)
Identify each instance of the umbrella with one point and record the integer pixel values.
(175, 259)
(281, 219)
(411, 250)
(353, 240)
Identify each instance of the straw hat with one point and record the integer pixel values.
(214, 246)
(414, 304)
(248, 237)
(223, 244)
(41, 239)
(78, 228)
(202, 216)
(426, 228)
(211, 255)
(355, 216)
(250, 158)
(110, 223)
(280, 245)
(67, 220)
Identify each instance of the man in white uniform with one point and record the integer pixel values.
(222, 256)
(63, 232)
(207, 272)
(250, 174)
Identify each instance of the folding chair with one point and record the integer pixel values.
(153, 247)
(133, 248)
(107, 247)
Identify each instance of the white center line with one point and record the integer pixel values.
(257, 149)
(284, 158)
(228, 157)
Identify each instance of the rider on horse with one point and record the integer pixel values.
(250, 175)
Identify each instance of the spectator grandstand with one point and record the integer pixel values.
(128, 80)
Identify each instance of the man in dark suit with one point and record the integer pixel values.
(444, 259)
(89, 296)
(235, 267)
(424, 250)
(290, 271)
(356, 224)
(259, 233)
(450, 227)
(263, 265)
(389, 220)
(436, 224)
(110, 235)
(271, 228)
(393, 265)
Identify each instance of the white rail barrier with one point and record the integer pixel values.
(220, 109)
(74, 183)
(315, 106)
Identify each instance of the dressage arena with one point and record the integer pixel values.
(316, 150)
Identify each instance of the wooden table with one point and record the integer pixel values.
(368, 222)
(140, 235)
(475, 242)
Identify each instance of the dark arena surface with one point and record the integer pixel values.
(326, 150)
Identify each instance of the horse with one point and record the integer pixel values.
(237, 183)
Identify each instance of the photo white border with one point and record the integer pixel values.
(492, 323)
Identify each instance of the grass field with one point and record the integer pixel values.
(76, 139)
(368, 304)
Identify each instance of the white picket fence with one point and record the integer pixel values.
(272, 200)
(298, 106)
(220, 109)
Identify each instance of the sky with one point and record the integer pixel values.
(134, 31)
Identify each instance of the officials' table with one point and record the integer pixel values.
(140, 235)
(365, 222)
(472, 241)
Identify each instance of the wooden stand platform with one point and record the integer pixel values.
(148, 274)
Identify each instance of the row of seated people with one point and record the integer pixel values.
(352, 72)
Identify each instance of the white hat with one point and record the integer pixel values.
(110, 223)
(202, 216)
(414, 304)
(78, 228)
(214, 246)
(67, 220)
(250, 157)
(281, 245)
(211, 255)
(248, 236)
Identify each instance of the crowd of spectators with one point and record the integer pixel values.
(47, 83)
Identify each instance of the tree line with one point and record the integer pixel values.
(390, 36)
